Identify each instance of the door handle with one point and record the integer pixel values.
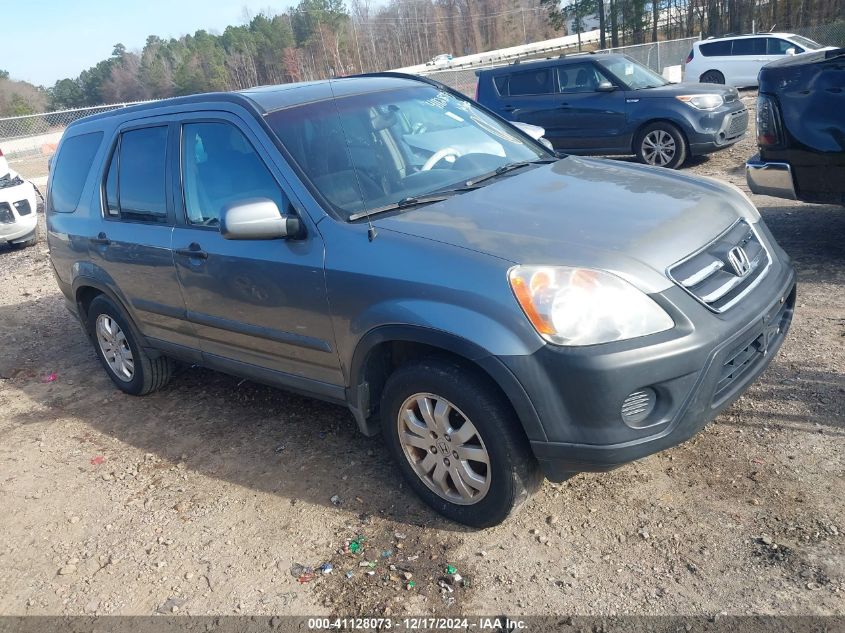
(508, 108)
(564, 106)
(101, 239)
(194, 250)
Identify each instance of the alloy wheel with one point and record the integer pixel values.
(444, 448)
(659, 148)
(115, 348)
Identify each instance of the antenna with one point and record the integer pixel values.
(771, 30)
(371, 230)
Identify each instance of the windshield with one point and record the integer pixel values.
(807, 43)
(631, 73)
(368, 151)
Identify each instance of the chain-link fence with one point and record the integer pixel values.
(29, 141)
(657, 56)
(832, 34)
(32, 124)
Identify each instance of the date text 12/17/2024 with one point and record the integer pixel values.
(491, 624)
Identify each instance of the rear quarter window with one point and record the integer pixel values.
(716, 49)
(501, 83)
(70, 170)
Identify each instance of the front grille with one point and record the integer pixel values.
(739, 363)
(725, 270)
(738, 124)
(22, 207)
(6, 215)
(748, 355)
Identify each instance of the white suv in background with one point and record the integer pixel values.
(737, 60)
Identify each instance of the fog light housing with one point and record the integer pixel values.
(638, 406)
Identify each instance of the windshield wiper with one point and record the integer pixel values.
(506, 168)
(469, 185)
(404, 203)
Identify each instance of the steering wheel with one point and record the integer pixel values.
(419, 128)
(439, 155)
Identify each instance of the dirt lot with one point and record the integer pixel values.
(200, 498)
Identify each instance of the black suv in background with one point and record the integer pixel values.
(611, 105)
(801, 129)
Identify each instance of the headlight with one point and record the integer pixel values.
(702, 102)
(580, 306)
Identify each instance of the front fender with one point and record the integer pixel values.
(358, 395)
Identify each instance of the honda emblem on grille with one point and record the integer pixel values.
(738, 259)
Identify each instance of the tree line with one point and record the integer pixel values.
(624, 22)
(323, 38)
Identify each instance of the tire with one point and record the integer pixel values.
(661, 144)
(712, 77)
(512, 473)
(109, 329)
(32, 241)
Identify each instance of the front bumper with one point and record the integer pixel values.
(18, 218)
(717, 131)
(770, 178)
(695, 370)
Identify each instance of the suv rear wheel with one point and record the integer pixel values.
(712, 77)
(661, 144)
(116, 344)
(457, 442)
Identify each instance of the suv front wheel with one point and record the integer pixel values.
(116, 344)
(661, 144)
(457, 442)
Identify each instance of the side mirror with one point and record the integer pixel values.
(605, 86)
(790, 50)
(257, 219)
(534, 131)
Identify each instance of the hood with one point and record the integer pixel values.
(808, 57)
(728, 93)
(628, 219)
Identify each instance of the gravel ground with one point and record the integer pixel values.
(201, 498)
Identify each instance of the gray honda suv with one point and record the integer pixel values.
(498, 313)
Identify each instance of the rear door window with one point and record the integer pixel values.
(716, 49)
(135, 183)
(749, 46)
(531, 82)
(71, 169)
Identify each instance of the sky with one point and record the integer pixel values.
(42, 41)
